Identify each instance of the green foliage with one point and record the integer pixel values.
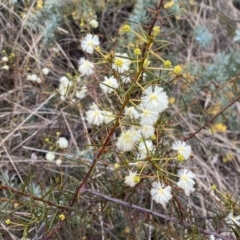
(46, 20)
(53, 14)
(140, 11)
(85, 189)
(140, 16)
(237, 36)
(203, 36)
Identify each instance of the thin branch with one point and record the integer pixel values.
(81, 188)
(49, 203)
(212, 119)
(156, 214)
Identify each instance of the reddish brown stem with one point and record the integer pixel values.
(157, 214)
(10, 189)
(80, 187)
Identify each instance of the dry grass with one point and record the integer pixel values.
(32, 112)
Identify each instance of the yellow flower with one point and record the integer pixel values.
(215, 109)
(169, 4)
(156, 30)
(191, 2)
(127, 230)
(39, 4)
(146, 62)
(167, 64)
(228, 157)
(180, 157)
(136, 179)
(153, 137)
(172, 100)
(178, 17)
(61, 217)
(177, 70)
(219, 127)
(188, 76)
(12, 55)
(137, 51)
(116, 165)
(214, 187)
(82, 24)
(8, 221)
(126, 28)
(16, 205)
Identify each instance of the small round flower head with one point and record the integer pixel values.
(126, 28)
(137, 51)
(45, 71)
(155, 99)
(85, 67)
(50, 156)
(64, 86)
(62, 142)
(82, 93)
(131, 112)
(8, 221)
(156, 30)
(61, 217)
(177, 70)
(121, 62)
(135, 134)
(95, 116)
(108, 116)
(231, 220)
(64, 80)
(132, 179)
(148, 116)
(58, 162)
(161, 194)
(214, 187)
(5, 67)
(169, 4)
(219, 127)
(125, 141)
(5, 59)
(147, 131)
(116, 165)
(144, 148)
(184, 150)
(109, 84)
(34, 78)
(146, 63)
(167, 64)
(89, 43)
(93, 23)
(125, 79)
(186, 181)
(172, 100)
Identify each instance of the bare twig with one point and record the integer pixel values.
(30, 196)
(156, 214)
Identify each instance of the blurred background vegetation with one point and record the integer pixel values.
(203, 37)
